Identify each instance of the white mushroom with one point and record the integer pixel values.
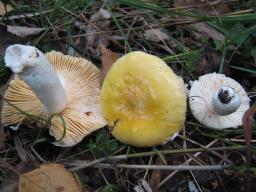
(33, 67)
(49, 84)
(218, 101)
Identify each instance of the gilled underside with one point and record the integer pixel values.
(82, 115)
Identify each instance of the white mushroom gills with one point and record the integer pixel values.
(33, 67)
(225, 101)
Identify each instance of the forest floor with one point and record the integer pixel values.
(193, 37)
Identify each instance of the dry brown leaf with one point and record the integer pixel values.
(49, 177)
(5, 8)
(155, 35)
(210, 7)
(99, 21)
(156, 175)
(108, 58)
(204, 28)
(24, 31)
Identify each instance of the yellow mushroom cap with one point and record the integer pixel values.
(82, 115)
(143, 100)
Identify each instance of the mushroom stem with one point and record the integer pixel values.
(33, 67)
(225, 101)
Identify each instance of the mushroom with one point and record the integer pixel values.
(218, 101)
(63, 88)
(143, 100)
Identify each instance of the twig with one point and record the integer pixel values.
(32, 149)
(19, 147)
(165, 167)
(240, 140)
(82, 165)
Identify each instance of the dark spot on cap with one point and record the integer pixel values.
(88, 113)
(224, 96)
(37, 54)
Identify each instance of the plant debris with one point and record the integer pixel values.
(24, 31)
(96, 30)
(5, 8)
(50, 177)
(155, 35)
(108, 58)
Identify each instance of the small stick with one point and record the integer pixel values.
(165, 167)
(83, 164)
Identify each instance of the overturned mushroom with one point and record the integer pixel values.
(143, 100)
(218, 101)
(51, 84)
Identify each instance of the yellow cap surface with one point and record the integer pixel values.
(143, 100)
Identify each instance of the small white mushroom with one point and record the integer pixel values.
(218, 101)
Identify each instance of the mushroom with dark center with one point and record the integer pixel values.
(218, 101)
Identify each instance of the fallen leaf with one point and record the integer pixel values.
(211, 7)
(108, 58)
(5, 8)
(24, 31)
(155, 35)
(98, 22)
(49, 177)
(203, 28)
(156, 175)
